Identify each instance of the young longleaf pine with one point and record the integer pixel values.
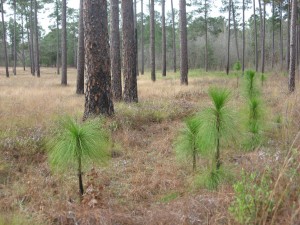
(76, 144)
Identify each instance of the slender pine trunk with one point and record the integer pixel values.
(173, 38)
(244, 41)
(228, 40)
(32, 37)
(164, 46)
(58, 39)
(289, 37)
(29, 44)
(235, 33)
(152, 40)
(15, 39)
(256, 42)
(292, 66)
(206, 36)
(64, 79)
(4, 40)
(36, 33)
(23, 50)
(183, 44)
(273, 34)
(80, 58)
(136, 39)
(142, 38)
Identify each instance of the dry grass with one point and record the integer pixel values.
(143, 184)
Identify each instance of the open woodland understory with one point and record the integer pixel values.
(118, 115)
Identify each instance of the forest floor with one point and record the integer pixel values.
(143, 183)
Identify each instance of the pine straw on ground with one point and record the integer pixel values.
(144, 183)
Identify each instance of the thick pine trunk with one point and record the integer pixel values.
(64, 79)
(80, 58)
(115, 50)
(129, 53)
(173, 38)
(228, 40)
(36, 34)
(98, 95)
(142, 38)
(152, 41)
(164, 50)
(183, 43)
(136, 39)
(4, 40)
(292, 66)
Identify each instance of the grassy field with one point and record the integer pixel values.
(144, 183)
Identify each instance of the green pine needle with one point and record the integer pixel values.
(74, 140)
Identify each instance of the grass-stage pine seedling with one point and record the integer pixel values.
(77, 145)
(218, 125)
(237, 68)
(255, 112)
(186, 145)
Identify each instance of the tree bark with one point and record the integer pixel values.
(280, 37)
(164, 50)
(29, 44)
(32, 37)
(15, 39)
(206, 36)
(244, 44)
(183, 43)
(136, 39)
(142, 38)
(292, 66)
(152, 41)
(173, 38)
(115, 50)
(4, 40)
(129, 53)
(98, 95)
(64, 79)
(80, 58)
(256, 42)
(235, 33)
(23, 50)
(58, 39)
(273, 34)
(289, 36)
(36, 34)
(262, 34)
(228, 40)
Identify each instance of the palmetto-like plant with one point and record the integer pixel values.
(76, 144)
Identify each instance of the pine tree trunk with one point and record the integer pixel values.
(273, 34)
(173, 38)
(292, 67)
(80, 58)
(235, 33)
(256, 42)
(206, 36)
(228, 40)
(244, 44)
(289, 36)
(58, 39)
(129, 53)
(136, 39)
(281, 37)
(36, 34)
(164, 50)
(29, 44)
(142, 38)
(64, 79)
(98, 95)
(74, 49)
(183, 43)
(152, 41)
(15, 40)
(115, 50)
(262, 16)
(4, 40)
(32, 37)
(23, 50)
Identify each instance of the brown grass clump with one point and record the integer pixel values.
(143, 183)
